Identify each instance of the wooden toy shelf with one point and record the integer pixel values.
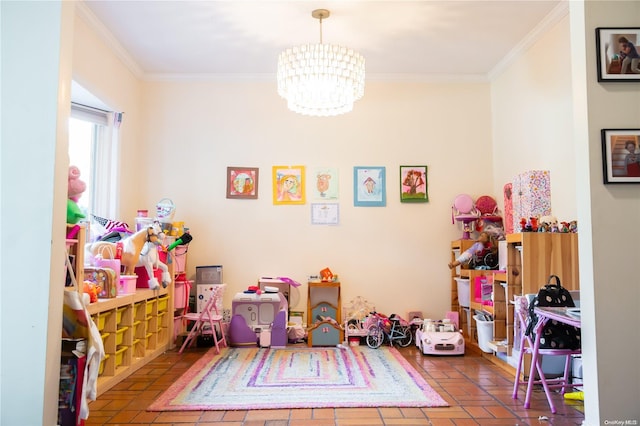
(531, 258)
(135, 329)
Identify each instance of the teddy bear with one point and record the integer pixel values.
(75, 188)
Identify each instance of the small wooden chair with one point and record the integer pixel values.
(209, 316)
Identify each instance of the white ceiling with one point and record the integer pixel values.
(453, 39)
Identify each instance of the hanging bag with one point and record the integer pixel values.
(554, 335)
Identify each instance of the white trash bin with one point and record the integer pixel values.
(464, 296)
(485, 333)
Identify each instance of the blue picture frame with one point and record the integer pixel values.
(369, 186)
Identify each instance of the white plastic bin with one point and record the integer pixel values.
(463, 291)
(485, 333)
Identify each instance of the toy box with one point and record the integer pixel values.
(178, 256)
(530, 196)
(127, 284)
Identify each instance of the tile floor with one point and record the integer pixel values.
(478, 392)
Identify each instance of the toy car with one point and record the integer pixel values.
(432, 342)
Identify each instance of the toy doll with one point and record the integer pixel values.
(483, 242)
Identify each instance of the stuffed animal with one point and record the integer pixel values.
(150, 259)
(92, 289)
(127, 250)
(75, 188)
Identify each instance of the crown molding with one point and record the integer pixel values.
(409, 78)
(103, 32)
(557, 14)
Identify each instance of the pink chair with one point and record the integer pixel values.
(464, 211)
(526, 347)
(205, 321)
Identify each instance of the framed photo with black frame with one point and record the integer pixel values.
(621, 155)
(618, 55)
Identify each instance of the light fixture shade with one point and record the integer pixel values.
(320, 79)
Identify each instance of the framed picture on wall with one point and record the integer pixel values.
(242, 182)
(324, 183)
(369, 187)
(621, 155)
(288, 185)
(618, 55)
(413, 184)
(325, 213)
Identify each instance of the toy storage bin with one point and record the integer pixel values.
(149, 307)
(464, 292)
(180, 259)
(119, 313)
(120, 355)
(104, 337)
(181, 294)
(120, 335)
(127, 284)
(102, 363)
(485, 333)
(163, 303)
(143, 222)
(99, 322)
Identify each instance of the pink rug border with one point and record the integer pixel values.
(163, 402)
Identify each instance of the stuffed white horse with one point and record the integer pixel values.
(150, 260)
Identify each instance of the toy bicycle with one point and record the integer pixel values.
(394, 328)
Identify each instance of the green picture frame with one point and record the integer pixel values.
(414, 184)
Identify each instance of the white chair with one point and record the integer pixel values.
(205, 321)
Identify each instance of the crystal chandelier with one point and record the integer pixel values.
(320, 79)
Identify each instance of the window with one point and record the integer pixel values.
(93, 149)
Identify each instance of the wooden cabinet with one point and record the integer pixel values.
(533, 256)
(324, 314)
(457, 247)
(494, 302)
(135, 329)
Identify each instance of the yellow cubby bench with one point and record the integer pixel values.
(135, 331)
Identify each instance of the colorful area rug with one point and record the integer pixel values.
(300, 377)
